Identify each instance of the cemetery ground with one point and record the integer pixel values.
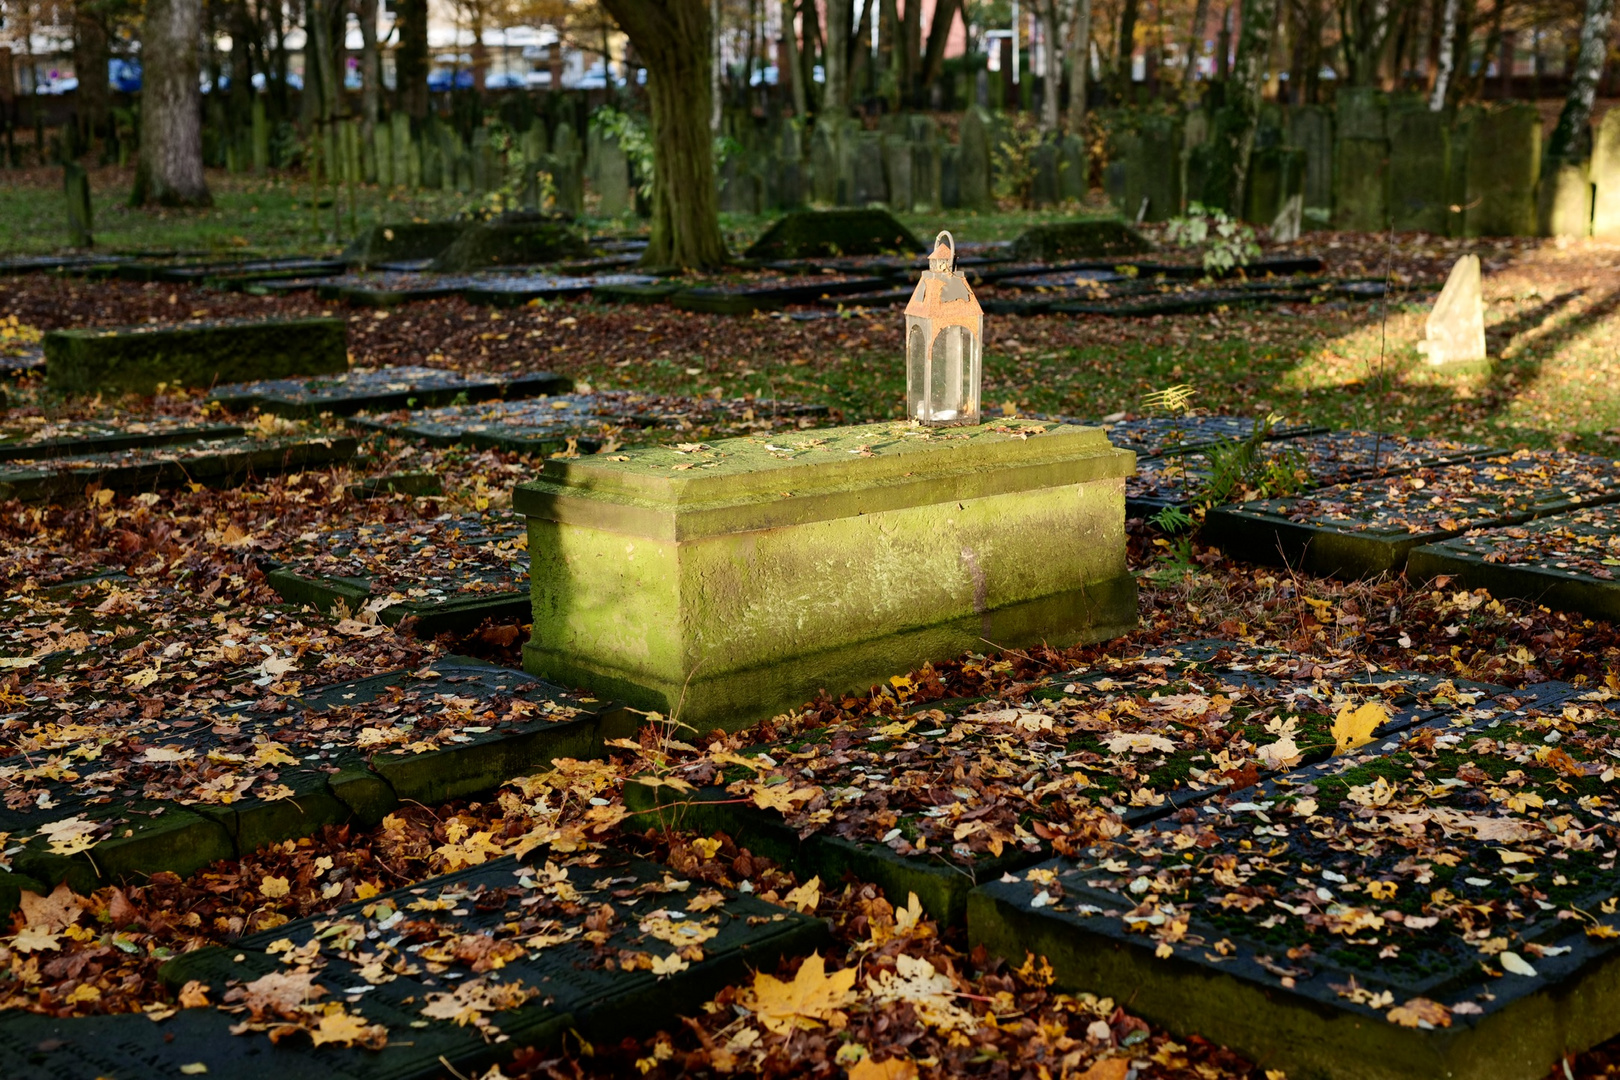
(152, 658)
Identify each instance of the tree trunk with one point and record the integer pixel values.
(241, 92)
(170, 169)
(792, 65)
(814, 47)
(370, 68)
(1047, 11)
(1127, 43)
(1243, 98)
(1195, 40)
(910, 46)
(1447, 59)
(939, 31)
(1568, 143)
(411, 58)
(90, 56)
(1079, 65)
(674, 38)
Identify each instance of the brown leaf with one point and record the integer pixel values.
(58, 911)
(892, 1069)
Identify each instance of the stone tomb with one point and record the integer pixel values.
(1369, 527)
(1437, 906)
(1152, 436)
(377, 389)
(728, 581)
(447, 574)
(214, 462)
(807, 233)
(1566, 562)
(136, 359)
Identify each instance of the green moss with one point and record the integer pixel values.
(137, 359)
(812, 233)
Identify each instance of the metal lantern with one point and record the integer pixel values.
(944, 343)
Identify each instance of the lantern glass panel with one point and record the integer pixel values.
(916, 369)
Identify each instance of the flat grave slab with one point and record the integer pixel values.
(1153, 436)
(583, 422)
(101, 802)
(1369, 527)
(213, 462)
(384, 290)
(1310, 461)
(36, 438)
(221, 273)
(35, 264)
(770, 294)
(882, 298)
(961, 791)
(20, 358)
(445, 574)
(1566, 561)
(653, 293)
(136, 359)
(375, 389)
(520, 289)
(1443, 906)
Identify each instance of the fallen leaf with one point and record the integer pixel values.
(196, 1068)
(58, 911)
(346, 1029)
(1515, 964)
(1355, 727)
(805, 897)
(1107, 1069)
(892, 1069)
(274, 887)
(1420, 1011)
(809, 1001)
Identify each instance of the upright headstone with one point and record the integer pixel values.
(1455, 330)
(897, 172)
(401, 143)
(950, 177)
(824, 164)
(1310, 127)
(1074, 169)
(1361, 161)
(1420, 170)
(382, 152)
(350, 129)
(923, 134)
(1153, 170)
(612, 178)
(974, 167)
(1044, 183)
(1504, 164)
(871, 185)
(76, 185)
(484, 178)
(1564, 200)
(261, 137)
(1276, 179)
(1606, 177)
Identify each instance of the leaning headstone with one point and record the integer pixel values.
(812, 233)
(76, 183)
(1504, 163)
(1606, 177)
(484, 176)
(1419, 171)
(510, 240)
(871, 186)
(974, 167)
(1067, 240)
(897, 172)
(1455, 331)
(135, 359)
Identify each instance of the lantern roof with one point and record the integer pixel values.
(942, 294)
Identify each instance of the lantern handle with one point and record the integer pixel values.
(945, 236)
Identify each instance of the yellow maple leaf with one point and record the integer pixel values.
(805, 897)
(893, 1069)
(1420, 1011)
(274, 887)
(1355, 727)
(32, 940)
(810, 1000)
(346, 1029)
(781, 797)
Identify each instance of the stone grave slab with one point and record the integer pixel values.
(225, 273)
(1079, 239)
(1566, 562)
(405, 241)
(135, 359)
(212, 462)
(20, 358)
(558, 974)
(35, 264)
(447, 574)
(583, 422)
(33, 441)
(510, 240)
(517, 289)
(882, 298)
(1076, 759)
(808, 233)
(376, 389)
(390, 289)
(1153, 436)
(654, 293)
(177, 794)
(1438, 906)
(414, 485)
(1370, 526)
(769, 294)
(1310, 461)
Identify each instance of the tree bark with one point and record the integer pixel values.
(1127, 43)
(1047, 12)
(90, 56)
(1568, 143)
(910, 45)
(1243, 100)
(939, 31)
(1079, 64)
(1447, 58)
(674, 38)
(793, 65)
(170, 169)
(411, 58)
(241, 92)
(1195, 40)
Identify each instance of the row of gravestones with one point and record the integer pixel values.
(1373, 162)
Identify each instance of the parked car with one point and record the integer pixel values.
(124, 75)
(504, 80)
(441, 80)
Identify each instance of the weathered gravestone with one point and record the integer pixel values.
(897, 172)
(406, 169)
(76, 186)
(1044, 184)
(1504, 164)
(870, 185)
(1564, 199)
(1420, 170)
(135, 359)
(612, 178)
(1606, 177)
(973, 182)
(1276, 185)
(517, 239)
(1361, 161)
(1310, 127)
(1153, 171)
(810, 233)
(683, 590)
(1455, 330)
(1066, 240)
(1074, 169)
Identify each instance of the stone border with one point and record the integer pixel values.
(1560, 590)
(107, 438)
(338, 395)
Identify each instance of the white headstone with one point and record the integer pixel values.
(1285, 229)
(1455, 332)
